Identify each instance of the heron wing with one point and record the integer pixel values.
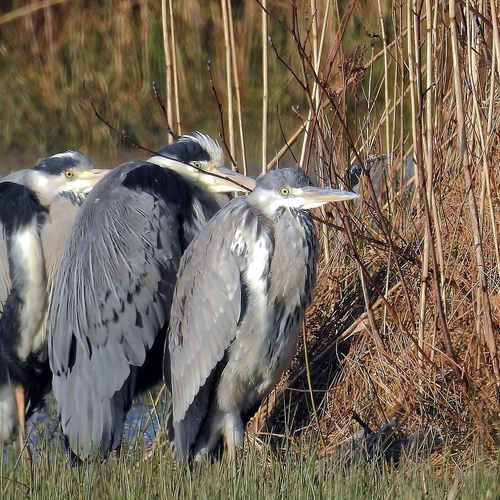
(4, 270)
(210, 301)
(112, 298)
(18, 177)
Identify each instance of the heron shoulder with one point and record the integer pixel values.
(18, 206)
(18, 176)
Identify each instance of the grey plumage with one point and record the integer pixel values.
(244, 285)
(111, 304)
(37, 209)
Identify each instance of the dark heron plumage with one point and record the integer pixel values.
(111, 305)
(244, 285)
(37, 207)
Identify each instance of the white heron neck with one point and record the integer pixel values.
(42, 186)
(28, 279)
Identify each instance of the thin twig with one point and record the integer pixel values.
(221, 114)
(165, 114)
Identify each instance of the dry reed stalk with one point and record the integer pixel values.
(168, 66)
(175, 76)
(237, 89)
(265, 85)
(145, 32)
(326, 19)
(229, 77)
(413, 67)
(428, 143)
(28, 10)
(387, 105)
(483, 306)
(429, 157)
(491, 100)
(496, 33)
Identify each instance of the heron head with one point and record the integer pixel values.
(200, 159)
(68, 171)
(292, 188)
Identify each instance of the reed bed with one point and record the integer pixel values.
(400, 99)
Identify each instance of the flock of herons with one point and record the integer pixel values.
(111, 280)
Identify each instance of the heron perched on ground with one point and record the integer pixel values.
(111, 305)
(37, 207)
(244, 285)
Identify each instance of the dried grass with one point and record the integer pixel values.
(403, 327)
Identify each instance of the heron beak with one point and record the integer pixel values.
(93, 175)
(313, 197)
(85, 180)
(228, 180)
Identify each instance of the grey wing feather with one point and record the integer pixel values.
(206, 309)
(103, 327)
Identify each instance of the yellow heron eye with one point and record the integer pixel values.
(284, 191)
(69, 174)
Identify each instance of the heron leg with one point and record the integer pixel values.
(20, 397)
(8, 413)
(228, 425)
(201, 452)
(233, 433)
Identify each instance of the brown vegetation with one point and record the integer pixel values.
(407, 317)
(415, 334)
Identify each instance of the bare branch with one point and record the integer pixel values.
(221, 113)
(165, 114)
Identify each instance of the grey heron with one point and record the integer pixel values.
(37, 207)
(111, 305)
(244, 285)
